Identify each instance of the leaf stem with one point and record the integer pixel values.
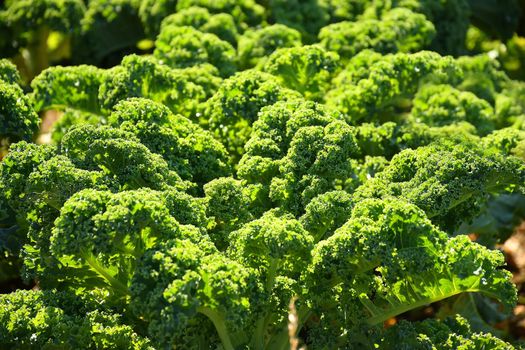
(220, 326)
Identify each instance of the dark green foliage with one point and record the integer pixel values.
(181, 47)
(452, 333)
(95, 237)
(306, 16)
(9, 73)
(189, 150)
(15, 169)
(36, 181)
(307, 69)
(345, 10)
(245, 12)
(97, 91)
(255, 45)
(327, 212)
(140, 76)
(235, 106)
(70, 118)
(273, 133)
(28, 24)
(56, 320)
(450, 182)
(482, 76)
(230, 204)
(120, 156)
(27, 16)
(222, 24)
(450, 18)
(439, 105)
(18, 119)
(108, 30)
(213, 183)
(388, 80)
(195, 281)
(153, 12)
(390, 249)
(75, 87)
(399, 30)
